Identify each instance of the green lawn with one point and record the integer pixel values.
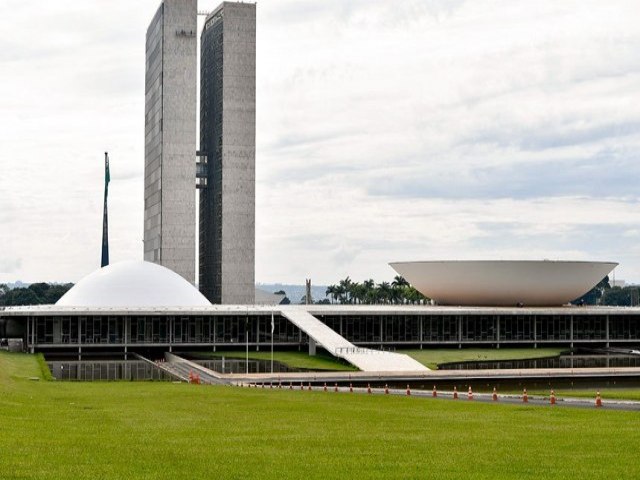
(290, 358)
(156, 430)
(19, 366)
(432, 358)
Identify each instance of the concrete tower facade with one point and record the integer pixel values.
(227, 139)
(170, 137)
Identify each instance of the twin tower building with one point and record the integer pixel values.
(215, 169)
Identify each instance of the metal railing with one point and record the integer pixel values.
(367, 351)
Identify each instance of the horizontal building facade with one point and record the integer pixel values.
(219, 327)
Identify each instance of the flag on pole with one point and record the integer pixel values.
(273, 325)
(107, 176)
(105, 227)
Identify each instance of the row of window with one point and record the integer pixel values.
(113, 330)
(357, 329)
(418, 328)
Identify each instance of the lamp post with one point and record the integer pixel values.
(272, 329)
(246, 337)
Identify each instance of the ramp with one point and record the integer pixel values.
(367, 360)
(183, 367)
(167, 368)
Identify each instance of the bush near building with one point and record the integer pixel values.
(35, 294)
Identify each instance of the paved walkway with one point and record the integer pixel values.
(366, 359)
(512, 399)
(436, 375)
(324, 380)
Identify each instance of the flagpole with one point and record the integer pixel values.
(246, 336)
(272, 328)
(105, 228)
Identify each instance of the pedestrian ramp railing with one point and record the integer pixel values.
(365, 359)
(187, 368)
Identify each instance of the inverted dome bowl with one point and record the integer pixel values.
(503, 282)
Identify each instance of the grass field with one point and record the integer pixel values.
(154, 430)
(291, 358)
(431, 358)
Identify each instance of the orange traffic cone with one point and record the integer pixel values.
(455, 392)
(470, 394)
(435, 392)
(408, 390)
(598, 399)
(325, 387)
(368, 388)
(351, 387)
(552, 398)
(386, 389)
(494, 396)
(525, 397)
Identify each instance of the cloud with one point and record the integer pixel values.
(606, 174)
(10, 265)
(385, 131)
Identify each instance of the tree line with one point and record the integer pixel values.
(604, 294)
(35, 294)
(399, 291)
(346, 291)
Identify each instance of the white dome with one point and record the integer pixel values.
(133, 284)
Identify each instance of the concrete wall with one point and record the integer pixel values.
(170, 137)
(238, 153)
(153, 139)
(227, 207)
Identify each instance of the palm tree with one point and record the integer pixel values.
(411, 294)
(369, 287)
(399, 287)
(357, 292)
(415, 296)
(340, 292)
(396, 295)
(331, 292)
(399, 281)
(345, 285)
(367, 292)
(384, 292)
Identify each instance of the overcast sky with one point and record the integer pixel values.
(386, 131)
